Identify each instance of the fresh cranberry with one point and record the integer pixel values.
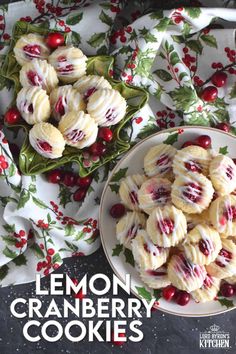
(12, 116)
(79, 195)
(84, 182)
(204, 141)
(209, 94)
(98, 149)
(105, 134)
(204, 247)
(54, 176)
(118, 343)
(169, 292)
(227, 290)
(117, 210)
(69, 179)
(223, 126)
(182, 298)
(50, 251)
(193, 166)
(219, 79)
(166, 226)
(54, 40)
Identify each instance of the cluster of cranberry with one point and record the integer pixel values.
(210, 93)
(120, 34)
(3, 163)
(189, 60)
(21, 238)
(47, 264)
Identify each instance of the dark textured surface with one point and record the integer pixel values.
(163, 333)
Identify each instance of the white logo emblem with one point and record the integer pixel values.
(214, 338)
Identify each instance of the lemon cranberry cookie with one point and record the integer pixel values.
(223, 215)
(65, 99)
(166, 226)
(225, 263)
(128, 226)
(128, 191)
(184, 274)
(147, 255)
(88, 84)
(33, 104)
(192, 193)
(47, 140)
(155, 279)
(30, 46)
(208, 291)
(158, 160)
(154, 192)
(223, 174)
(202, 244)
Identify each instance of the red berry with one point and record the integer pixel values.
(69, 179)
(105, 134)
(123, 39)
(54, 176)
(169, 292)
(50, 251)
(227, 290)
(223, 126)
(12, 116)
(54, 40)
(98, 149)
(209, 94)
(120, 335)
(117, 210)
(79, 195)
(204, 141)
(219, 79)
(182, 298)
(84, 182)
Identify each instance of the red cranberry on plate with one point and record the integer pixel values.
(55, 39)
(117, 210)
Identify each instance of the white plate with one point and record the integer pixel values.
(133, 162)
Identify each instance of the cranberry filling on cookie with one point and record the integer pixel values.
(208, 281)
(59, 106)
(27, 108)
(230, 213)
(193, 166)
(156, 273)
(164, 163)
(223, 258)
(205, 247)
(193, 192)
(111, 115)
(34, 78)
(160, 193)
(133, 197)
(132, 232)
(75, 135)
(166, 226)
(64, 68)
(187, 268)
(44, 145)
(147, 249)
(229, 172)
(32, 51)
(89, 92)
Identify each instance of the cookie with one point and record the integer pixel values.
(155, 279)
(47, 140)
(166, 226)
(147, 255)
(65, 99)
(158, 160)
(128, 226)
(78, 129)
(128, 191)
(222, 214)
(107, 107)
(154, 192)
(89, 84)
(208, 290)
(223, 174)
(33, 104)
(192, 193)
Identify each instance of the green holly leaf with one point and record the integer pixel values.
(193, 12)
(39, 203)
(147, 35)
(182, 75)
(129, 258)
(74, 19)
(37, 251)
(157, 293)
(126, 49)
(97, 39)
(71, 246)
(163, 75)
(3, 271)
(209, 40)
(117, 250)
(49, 218)
(75, 38)
(102, 50)
(178, 39)
(144, 293)
(114, 187)
(147, 130)
(9, 253)
(56, 258)
(156, 15)
(24, 198)
(106, 19)
(174, 58)
(64, 195)
(226, 302)
(20, 260)
(223, 150)
(69, 230)
(184, 97)
(9, 240)
(12, 170)
(232, 93)
(162, 25)
(172, 138)
(32, 188)
(9, 228)
(119, 175)
(195, 45)
(186, 29)
(105, 5)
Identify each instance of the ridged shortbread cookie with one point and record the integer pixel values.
(223, 174)
(47, 140)
(167, 226)
(128, 191)
(128, 226)
(146, 254)
(155, 279)
(222, 214)
(208, 290)
(88, 84)
(158, 160)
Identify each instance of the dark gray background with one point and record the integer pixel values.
(163, 333)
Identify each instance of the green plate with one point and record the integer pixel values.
(30, 161)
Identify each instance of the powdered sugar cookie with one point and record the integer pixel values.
(222, 214)
(128, 191)
(223, 174)
(208, 290)
(128, 226)
(88, 84)
(158, 161)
